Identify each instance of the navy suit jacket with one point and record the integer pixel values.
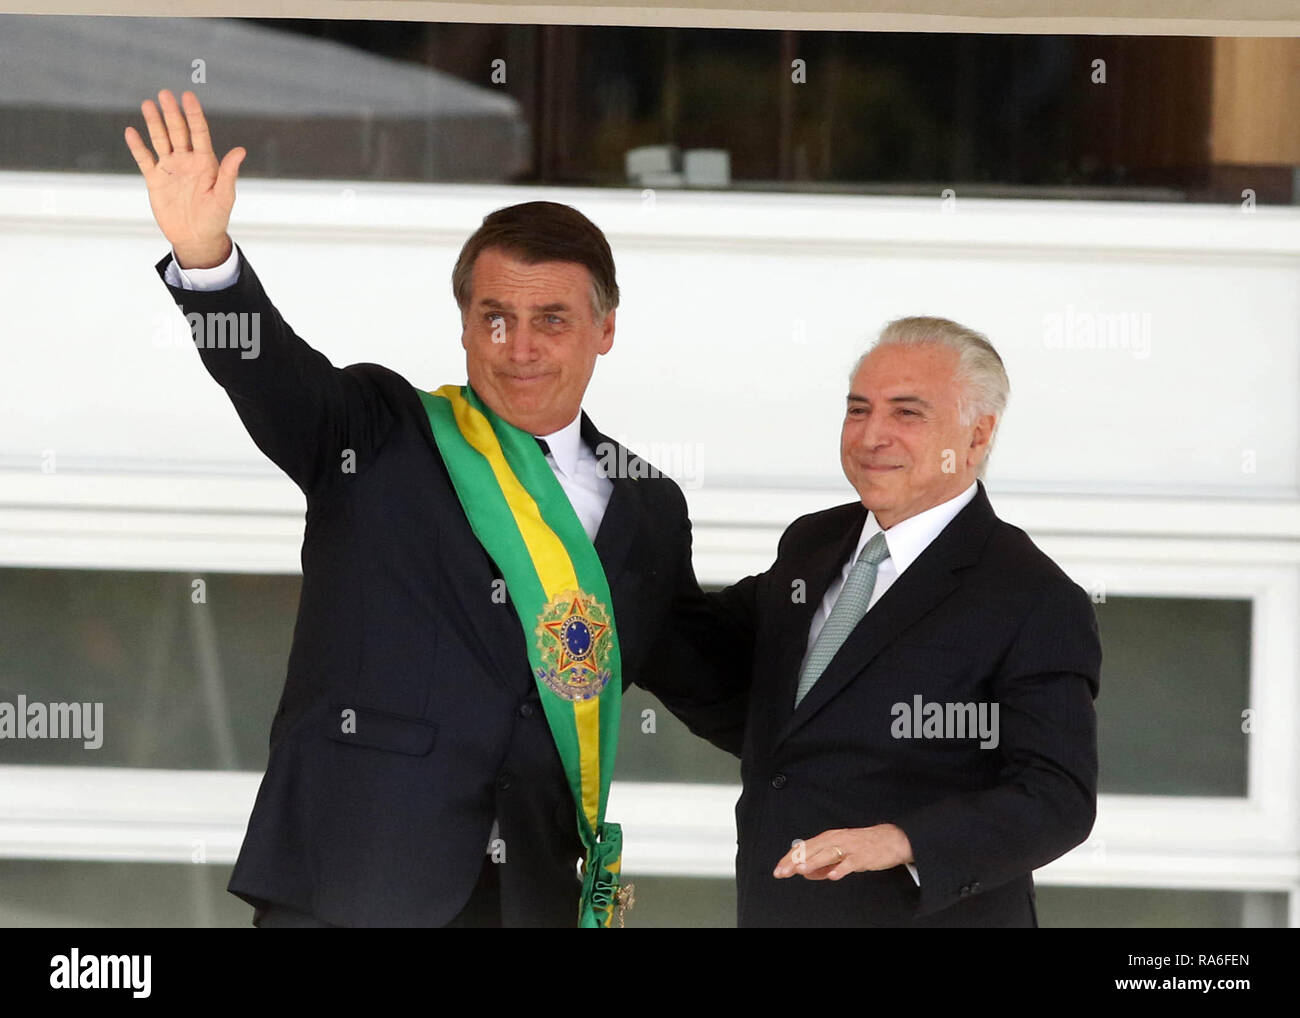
(397, 622)
(981, 616)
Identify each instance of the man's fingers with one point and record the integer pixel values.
(831, 870)
(157, 131)
(143, 157)
(816, 852)
(801, 855)
(788, 862)
(833, 855)
(820, 858)
(200, 138)
(176, 129)
(227, 172)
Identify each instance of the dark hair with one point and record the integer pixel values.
(541, 231)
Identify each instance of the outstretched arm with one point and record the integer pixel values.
(704, 661)
(313, 420)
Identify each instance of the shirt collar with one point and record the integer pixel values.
(565, 445)
(907, 538)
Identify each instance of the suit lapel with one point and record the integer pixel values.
(627, 521)
(923, 585)
(817, 570)
(622, 520)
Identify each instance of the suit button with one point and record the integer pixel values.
(525, 710)
(778, 781)
(975, 887)
(503, 782)
(964, 892)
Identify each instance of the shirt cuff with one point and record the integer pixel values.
(912, 870)
(216, 278)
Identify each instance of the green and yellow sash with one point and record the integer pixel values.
(524, 520)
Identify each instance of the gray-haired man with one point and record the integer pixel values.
(910, 686)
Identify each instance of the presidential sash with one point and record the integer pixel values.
(525, 522)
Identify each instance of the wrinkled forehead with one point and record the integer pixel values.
(500, 277)
(892, 370)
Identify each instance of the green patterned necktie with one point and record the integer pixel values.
(849, 608)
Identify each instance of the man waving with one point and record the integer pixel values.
(476, 590)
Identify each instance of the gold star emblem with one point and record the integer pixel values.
(577, 633)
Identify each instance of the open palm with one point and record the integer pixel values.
(190, 193)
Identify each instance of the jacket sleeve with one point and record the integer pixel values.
(1046, 798)
(705, 668)
(313, 420)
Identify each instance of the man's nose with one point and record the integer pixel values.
(522, 343)
(874, 433)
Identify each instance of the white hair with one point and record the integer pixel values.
(980, 372)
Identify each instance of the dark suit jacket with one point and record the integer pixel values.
(980, 616)
(397, 622)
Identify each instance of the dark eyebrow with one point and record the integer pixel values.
(490, 302)
(853, 397)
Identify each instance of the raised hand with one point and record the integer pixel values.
(190, 194)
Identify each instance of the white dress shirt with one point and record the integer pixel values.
(905, 540)
(575, 467)
(570, 458)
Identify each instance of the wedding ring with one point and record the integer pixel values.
(838, 853)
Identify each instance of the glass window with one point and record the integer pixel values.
(183, 685)
(1140, 118)
(61, 893)
(687, 902)
(1143, 907)
(667, 751)
(1175, 677)
(128, 895)
(194, 686)
(188, 685)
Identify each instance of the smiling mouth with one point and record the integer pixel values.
(525, 379)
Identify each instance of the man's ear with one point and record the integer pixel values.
(607, 335)
(464, 328)
(979, 439)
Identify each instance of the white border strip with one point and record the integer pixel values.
(389, 212)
